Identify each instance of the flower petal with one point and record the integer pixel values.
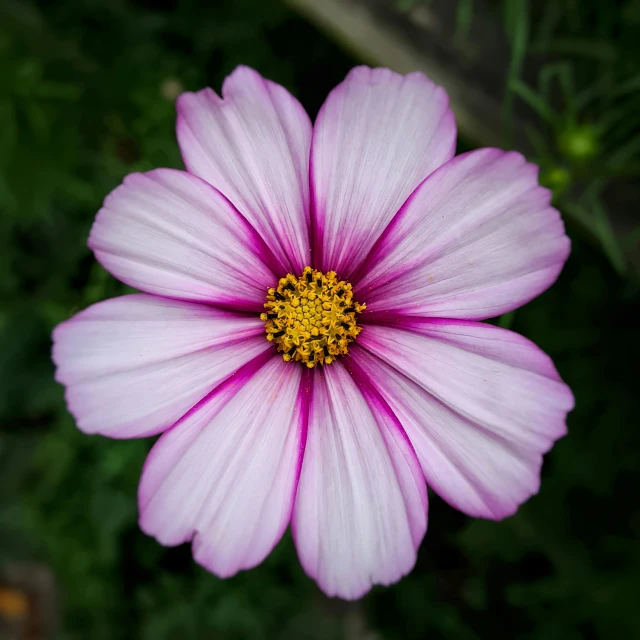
(480, 405)
(377, 136)
(170, 233)
(253, 145)
(225, 476)
(476, 239)
(361, 508)
(134, 365)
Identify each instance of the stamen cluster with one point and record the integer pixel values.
(311, 319)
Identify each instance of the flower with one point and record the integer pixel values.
(366, 255)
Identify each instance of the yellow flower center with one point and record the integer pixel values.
(311, 319)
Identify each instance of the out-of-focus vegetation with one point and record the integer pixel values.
(586, 98)
(573, 77)
(87, 92)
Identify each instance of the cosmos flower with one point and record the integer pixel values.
(308, 340)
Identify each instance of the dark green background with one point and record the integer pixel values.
(85, 98)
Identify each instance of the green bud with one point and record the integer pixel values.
(578, 144)
(556, 178)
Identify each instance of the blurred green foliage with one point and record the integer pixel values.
(573, 84)
(87, 93)
(584, 62)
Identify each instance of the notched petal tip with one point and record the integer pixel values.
(190, 99)
(253, 145)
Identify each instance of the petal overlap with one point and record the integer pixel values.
(361, 508)
(171, 234)
(225, 476)
(480, 404)
(253, 145)
(476, 239)
(377, 136)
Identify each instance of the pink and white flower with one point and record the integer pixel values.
(420, 392)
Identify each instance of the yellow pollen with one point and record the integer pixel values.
(311, 319)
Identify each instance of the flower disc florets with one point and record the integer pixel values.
(313, 318)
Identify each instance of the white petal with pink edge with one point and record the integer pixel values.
(134, 365)
(377, 136)
(361, 508)
(253, 145)
(169, 233)
(225, 476)
(480, 404)
(476, 239)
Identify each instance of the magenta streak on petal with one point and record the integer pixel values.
(536, 456)
(225, 476)
(373, 396)
(477, 426)
(291, 146)
(305, 395)
(370, 391)
(376, 137)
(316, 227)
(291, 266)
(316, 220)
(429, 328)
(379, 244)
(259, 247)
(439, 228)
(254, 243)
(529, 456)
(461, 469)
(390, 319)
(234, 381)
(351, 527)
(233, 89)
(306, 400)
